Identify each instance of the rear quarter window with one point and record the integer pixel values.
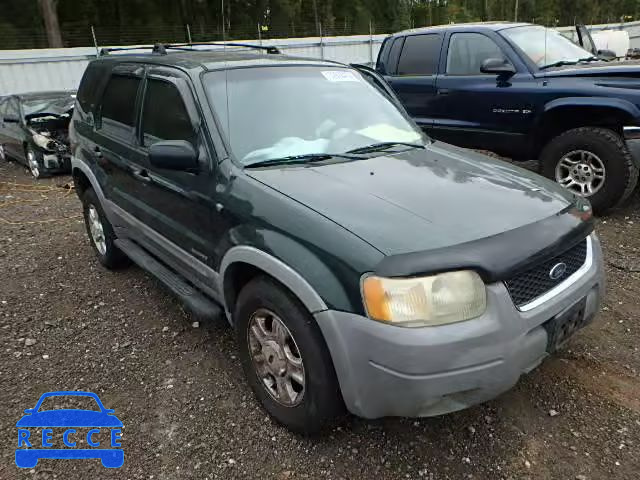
(91, 85)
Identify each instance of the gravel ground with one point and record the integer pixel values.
(179, 390)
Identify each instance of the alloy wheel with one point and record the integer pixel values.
(96, 230)
(582, 172)
(276, 358)
(32, 161)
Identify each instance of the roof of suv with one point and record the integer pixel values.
(215, 59)
(462, 26)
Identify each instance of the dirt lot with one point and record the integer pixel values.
(188, 413)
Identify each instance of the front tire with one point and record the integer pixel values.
(285, 358)
(591, 162)
(101, 233)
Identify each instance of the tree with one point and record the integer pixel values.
(51, 25)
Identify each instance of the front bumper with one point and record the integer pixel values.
(385, 370)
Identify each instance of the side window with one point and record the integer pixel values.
(394, 53)
(118, 113)
(420, 55)
(164, 115)
(467, 51)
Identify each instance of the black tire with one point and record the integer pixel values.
(112, 258)
(321, 401)
(621, 174)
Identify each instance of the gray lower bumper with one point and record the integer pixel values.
(393, 371)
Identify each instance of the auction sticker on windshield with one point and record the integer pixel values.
(340, 76)
(56, 428)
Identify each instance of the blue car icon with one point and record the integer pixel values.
(69, 419)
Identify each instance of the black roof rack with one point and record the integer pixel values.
(161, 48)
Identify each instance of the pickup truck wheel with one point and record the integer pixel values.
(591, 162)
(284, 357)
(101, 233)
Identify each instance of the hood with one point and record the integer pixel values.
(69, 418)
(421, 199)
(629, 69)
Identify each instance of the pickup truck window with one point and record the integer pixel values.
(162, 97)
(420, 55)
(467, 51)
(394, 54)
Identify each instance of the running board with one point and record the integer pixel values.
(200, 306)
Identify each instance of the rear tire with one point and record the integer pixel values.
(603, 148)
(307, 405)
(100, 232)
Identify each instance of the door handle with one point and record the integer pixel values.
(142, 175)
(443, 91)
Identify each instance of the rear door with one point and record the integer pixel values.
(177, 203)
(479, 110)
(115, 138)
(411, 68)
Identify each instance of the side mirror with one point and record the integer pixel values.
(174, 155)
(606, 54)
(498, 66)
(11, 119)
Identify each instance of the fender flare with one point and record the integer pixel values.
(607, 102)
(277, 269)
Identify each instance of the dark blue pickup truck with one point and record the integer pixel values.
(526, 92)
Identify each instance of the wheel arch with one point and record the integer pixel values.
(242, 263)
(563, 114)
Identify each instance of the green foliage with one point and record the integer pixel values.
(146, 21)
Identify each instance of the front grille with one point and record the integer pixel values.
(529, 285)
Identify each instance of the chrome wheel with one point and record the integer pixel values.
(582, 172)
(97, 232)
(276, 358)
(32, 161)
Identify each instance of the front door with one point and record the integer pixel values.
(177, 204)
(479, 110)
(13, 130)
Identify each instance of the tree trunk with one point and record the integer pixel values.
(51, 25)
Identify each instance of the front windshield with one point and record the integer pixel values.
(545, 46)
(277, 112)
(52, 105)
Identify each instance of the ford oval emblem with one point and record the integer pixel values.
(558, 270)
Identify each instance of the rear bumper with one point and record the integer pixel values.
(394, 371)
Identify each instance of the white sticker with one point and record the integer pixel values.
(340, 76)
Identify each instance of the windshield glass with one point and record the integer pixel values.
(53, 105)
(276, 112)
(556, 48)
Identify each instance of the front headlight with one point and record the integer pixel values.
(425, 301)
(41, 140)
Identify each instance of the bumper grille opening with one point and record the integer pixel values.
(529, 285)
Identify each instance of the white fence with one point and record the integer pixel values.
(62, 68)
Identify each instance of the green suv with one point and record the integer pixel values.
(361, 264)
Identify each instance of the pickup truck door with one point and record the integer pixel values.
(479, 110)
(411, 70)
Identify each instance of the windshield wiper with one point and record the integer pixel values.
(383, 146)
(562, 63)
(302, 158)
